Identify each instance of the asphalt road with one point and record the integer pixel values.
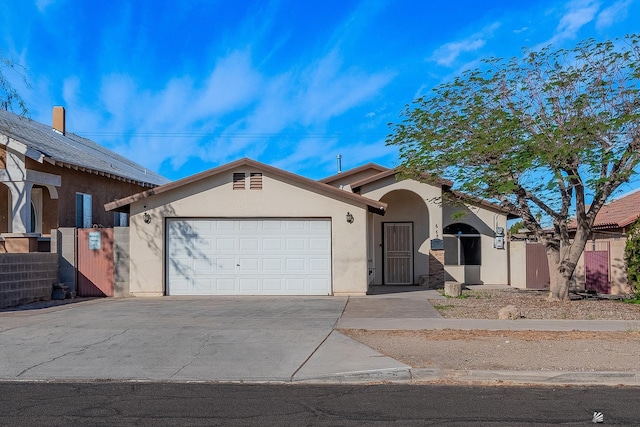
(171, 404)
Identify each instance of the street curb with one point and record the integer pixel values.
(399, 375)
(427, 375)
(546, 377)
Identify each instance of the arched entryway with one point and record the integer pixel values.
(400, 245)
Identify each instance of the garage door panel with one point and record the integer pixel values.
(319, 265)
(235, 257)
(318, 284)
(296, 244)
(295, 264)
(295, 284)
(273, 284)
(225, 244)
(271, 244)
(251, 244)
(319, 244)
(249, 284)
(272, 265)
(225, 264)
(248, 264)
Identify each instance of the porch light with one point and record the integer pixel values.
(349, 218)
(146, 218)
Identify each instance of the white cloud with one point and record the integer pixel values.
(612, 14)
(43, 4)
(578, 14)
(70, 89)
(448, 53)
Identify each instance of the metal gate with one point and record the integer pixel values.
(398, 253)
(95, 262)
(596, 268)
(537, 267)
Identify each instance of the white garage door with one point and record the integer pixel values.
(249, 257)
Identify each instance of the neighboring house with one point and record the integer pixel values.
(54, 179)
(246, 228)
(602, 266)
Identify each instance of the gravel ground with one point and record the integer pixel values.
(507, 350)
(485, 304)
(515, 350)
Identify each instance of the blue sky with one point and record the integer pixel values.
(182, 86)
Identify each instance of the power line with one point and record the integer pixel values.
(227, 135)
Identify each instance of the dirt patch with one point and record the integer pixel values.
(485, 304)
(507, 350)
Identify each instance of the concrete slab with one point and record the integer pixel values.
(390, 307)
(342, 359)
(170, 338)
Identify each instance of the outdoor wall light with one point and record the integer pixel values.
(146, 218)
(349, 218)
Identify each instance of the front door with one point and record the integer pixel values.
(397, 250)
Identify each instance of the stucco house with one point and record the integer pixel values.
(52, 178)
(246, 228)
(403, 245)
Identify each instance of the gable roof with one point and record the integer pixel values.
(354, 171)
(617, 213)
(319, 187)
(73, 151)
(390, 172)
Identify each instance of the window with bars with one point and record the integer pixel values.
(238, 181)
(255, 181)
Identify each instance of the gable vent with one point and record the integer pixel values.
(238, 181)
(255, 181)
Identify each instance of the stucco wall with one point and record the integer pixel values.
(495, 268)
(214, 197)
(407, 200)
(518, 264)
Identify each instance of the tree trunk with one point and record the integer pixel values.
(559, 280)
(559, 286)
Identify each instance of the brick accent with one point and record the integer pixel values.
(436, 269)
(26, 278)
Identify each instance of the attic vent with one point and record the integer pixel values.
(255, 181)
(238, 181)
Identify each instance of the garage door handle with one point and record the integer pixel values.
(237, 265)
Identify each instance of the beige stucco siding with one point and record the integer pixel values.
(518, 264)
(214, 197)
(494, 268)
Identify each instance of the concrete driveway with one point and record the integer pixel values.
(184, 339)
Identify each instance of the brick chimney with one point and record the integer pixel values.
(58, 119)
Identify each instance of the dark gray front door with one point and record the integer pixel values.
(398, 253)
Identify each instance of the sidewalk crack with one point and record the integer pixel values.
(86, 347)
(195, 356)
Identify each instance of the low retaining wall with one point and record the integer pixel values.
(27, 277)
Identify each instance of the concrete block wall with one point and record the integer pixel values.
(27, 277)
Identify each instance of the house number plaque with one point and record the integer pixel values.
(95, 238)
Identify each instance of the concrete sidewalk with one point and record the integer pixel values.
(248, 339)
(400, 311)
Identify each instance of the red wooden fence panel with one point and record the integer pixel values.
(596, 266)
(537, 267)
(95, 262)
